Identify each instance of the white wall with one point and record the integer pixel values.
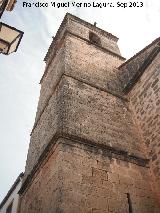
(13, 197)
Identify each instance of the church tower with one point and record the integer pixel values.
(86, 154)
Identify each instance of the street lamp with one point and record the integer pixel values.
(10, 38)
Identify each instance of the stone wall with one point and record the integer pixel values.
(82, 30)
(91, 64)
(87, 64)
(145, 102)
(54, 74)
(80, 178)
(75, 57)
(83, 111)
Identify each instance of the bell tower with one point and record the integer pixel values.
(85, 152)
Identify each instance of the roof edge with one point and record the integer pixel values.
(11, 189)
(142, 69)
(138, 53)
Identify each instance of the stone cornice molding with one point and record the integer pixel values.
(109, 152)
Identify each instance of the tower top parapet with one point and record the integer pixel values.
(82, 29)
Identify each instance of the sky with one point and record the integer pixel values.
(21, 72)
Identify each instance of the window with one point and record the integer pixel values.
(9, 208)
(94, 38)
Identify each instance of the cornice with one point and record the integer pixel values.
(109, 152)
(113, 93)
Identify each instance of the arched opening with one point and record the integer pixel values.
(94, 38)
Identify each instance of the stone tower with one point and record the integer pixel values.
(87, 151)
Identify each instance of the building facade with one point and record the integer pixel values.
(10, 203)
(95, 143)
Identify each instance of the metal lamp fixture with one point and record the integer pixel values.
(3, 4)
(6, 5)
(10, 38)
(10, 5)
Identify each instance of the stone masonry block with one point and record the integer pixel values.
(91, 120)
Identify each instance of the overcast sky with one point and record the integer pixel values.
(20, 72)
